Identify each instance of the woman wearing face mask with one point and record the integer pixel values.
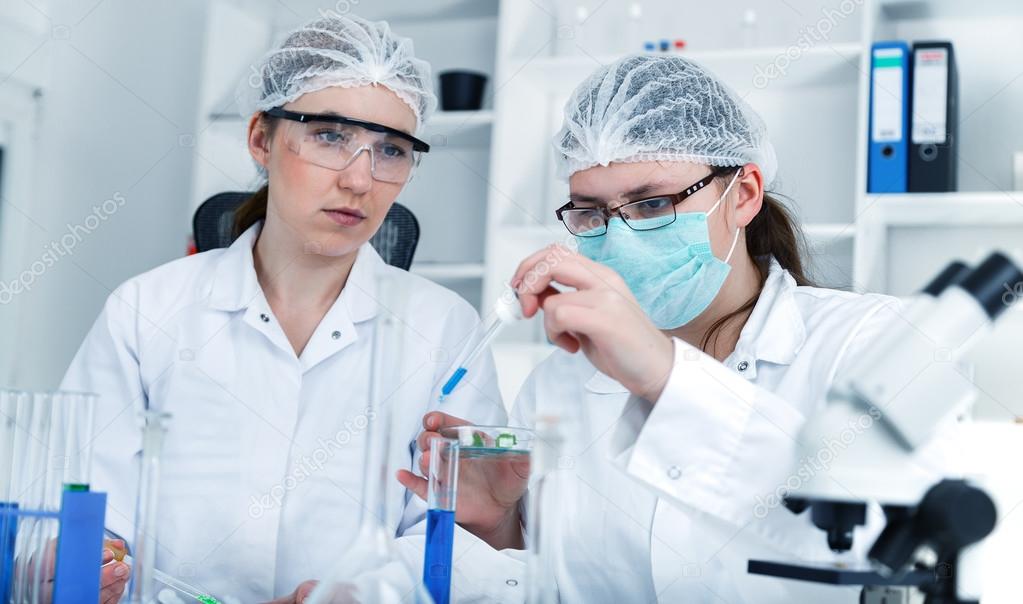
(705, 349)
(261, 352)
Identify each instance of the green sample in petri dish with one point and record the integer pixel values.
(477, 442)
(207, 599)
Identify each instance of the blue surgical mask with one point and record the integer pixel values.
(671, 270)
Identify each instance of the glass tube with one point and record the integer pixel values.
(12, 465)
(55, 458)
(23, 472)
(371, 571)
(442, 492)
(75, 413)
(542, 535)
(154, 427)
(32, 495)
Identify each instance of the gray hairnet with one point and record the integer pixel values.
(650, 108)
(338, 50)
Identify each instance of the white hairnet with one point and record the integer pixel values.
(337, 50)
(650, 108)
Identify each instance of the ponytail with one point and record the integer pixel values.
(773, 232)
(251, 211)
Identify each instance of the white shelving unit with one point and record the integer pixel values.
(731, 64)
(461, 120)
(985, 213)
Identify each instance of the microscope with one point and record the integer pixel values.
(910, 382)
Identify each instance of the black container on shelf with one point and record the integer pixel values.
(461, 90)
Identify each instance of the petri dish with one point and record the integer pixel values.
(490, 441)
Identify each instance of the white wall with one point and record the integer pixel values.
(116, 122)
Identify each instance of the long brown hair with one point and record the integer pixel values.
(253, 209)
(772, 232)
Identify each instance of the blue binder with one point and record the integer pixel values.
(888, 136)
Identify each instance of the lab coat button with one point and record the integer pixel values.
(336, 335)
(742, 366)
(511, 582)
(674, 472)
(264, 318)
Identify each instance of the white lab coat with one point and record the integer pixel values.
(667, 502)
(263, 458)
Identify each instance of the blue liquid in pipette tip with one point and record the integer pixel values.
(449, 386)
(440, 537)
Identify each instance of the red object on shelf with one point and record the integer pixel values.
(680, 44)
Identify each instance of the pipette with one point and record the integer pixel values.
(176, 584)
(507, 310)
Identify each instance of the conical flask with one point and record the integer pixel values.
(371, 571)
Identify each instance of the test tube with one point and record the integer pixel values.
(440, 518)
(154, 426)
(11, 466)
(74, 413)
(33, 496)
(56, 462)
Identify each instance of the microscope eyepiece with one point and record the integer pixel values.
(951, 275)
(996, 284)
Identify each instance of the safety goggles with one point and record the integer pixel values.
(334, 142)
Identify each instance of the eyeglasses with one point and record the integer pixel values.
(334, 142)
(640, 215)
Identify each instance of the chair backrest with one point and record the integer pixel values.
(395, 241)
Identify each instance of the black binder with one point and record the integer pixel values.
(934, 119)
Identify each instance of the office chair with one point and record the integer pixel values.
(396, 240)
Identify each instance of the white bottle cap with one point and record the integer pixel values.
(508, 309)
